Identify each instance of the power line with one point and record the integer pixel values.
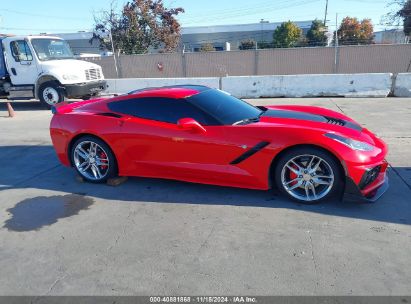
(38, 29)
(249, 12)
(40, 15)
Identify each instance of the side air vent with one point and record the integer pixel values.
(335, 121)
(108, 114)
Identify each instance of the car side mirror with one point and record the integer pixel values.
(190, 124)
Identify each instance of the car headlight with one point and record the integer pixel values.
(70, 77)
(352, 143)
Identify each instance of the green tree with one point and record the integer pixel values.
(405, 14)
(287, 35)
(354, 32)
(207, 47)
(247, 44)
(400, 15)
(140, 25)
(265, 45)
(317, 34)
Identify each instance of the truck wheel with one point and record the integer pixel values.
(50, 94)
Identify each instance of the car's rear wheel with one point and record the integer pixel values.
(93, 159)
(308, 175)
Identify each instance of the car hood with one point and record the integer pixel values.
(326, 119)
(316, 119)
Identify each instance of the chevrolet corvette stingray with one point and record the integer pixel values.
(203, 135)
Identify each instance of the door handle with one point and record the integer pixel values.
(13, 70)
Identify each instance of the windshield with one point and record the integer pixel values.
(225, 108)
(52, 49)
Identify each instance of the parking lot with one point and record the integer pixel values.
(59, 236)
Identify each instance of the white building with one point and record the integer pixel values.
(192, 38)
(393, 36)
(218, 35)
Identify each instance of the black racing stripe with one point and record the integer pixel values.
(250, 152)
(294, 115)
(351, 125)
(311, 117)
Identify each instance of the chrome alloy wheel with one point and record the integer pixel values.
(51, 96)
(91, 160)
(307, 177)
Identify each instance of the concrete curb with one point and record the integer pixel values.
(402, 85)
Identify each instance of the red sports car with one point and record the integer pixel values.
(203, 135)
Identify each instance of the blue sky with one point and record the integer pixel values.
(33, 17)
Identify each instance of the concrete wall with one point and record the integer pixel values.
(125, 85)
(350, 85)
(402, 85)
(346, 85)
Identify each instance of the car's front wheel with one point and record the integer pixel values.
(93, 159)
(308, 175)
(50, 94)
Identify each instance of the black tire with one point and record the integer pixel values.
(112, 162)
(94, 95)
(328, 162)
(51, 93)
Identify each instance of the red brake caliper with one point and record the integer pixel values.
(293, 175)
(103, 156)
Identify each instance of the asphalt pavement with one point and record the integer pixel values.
(59, 236)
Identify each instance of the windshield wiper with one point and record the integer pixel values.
(247, 121)
(250, 120)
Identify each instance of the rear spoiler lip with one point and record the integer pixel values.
(67, 106)
(55, 108)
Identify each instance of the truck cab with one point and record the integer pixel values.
(44, 68)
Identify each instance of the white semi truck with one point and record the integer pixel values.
(44, 68)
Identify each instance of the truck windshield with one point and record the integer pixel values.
(52, 49)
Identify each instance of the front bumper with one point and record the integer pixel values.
(85, 89)
(371, 193)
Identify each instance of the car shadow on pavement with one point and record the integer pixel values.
(37, 167)
(23, 105)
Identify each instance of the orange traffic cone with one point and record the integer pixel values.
(10, 110)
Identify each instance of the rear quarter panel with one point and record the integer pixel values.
(65, 127)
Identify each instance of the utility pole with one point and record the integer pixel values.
(336, 45)
(326, 10)
(114, 53)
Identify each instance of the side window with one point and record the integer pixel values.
(161, 109)
(20, 51)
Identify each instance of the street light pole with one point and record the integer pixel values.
(262, 24)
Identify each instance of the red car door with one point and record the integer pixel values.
(154, 145)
